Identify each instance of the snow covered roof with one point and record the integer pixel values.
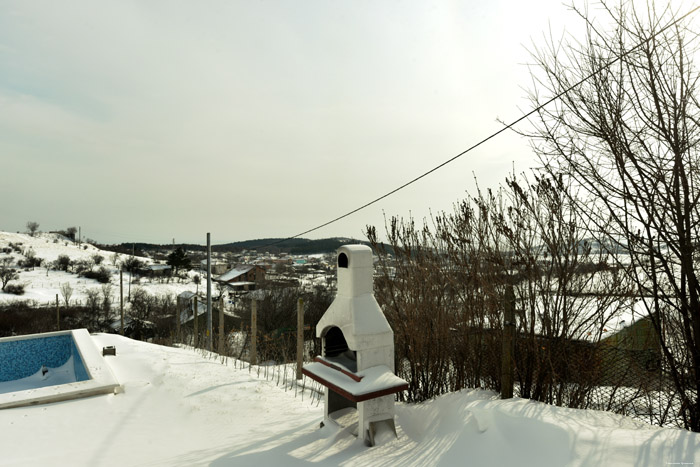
(235, 285)
(233, 273)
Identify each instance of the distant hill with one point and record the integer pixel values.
(295, 246)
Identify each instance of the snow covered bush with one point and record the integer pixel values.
(16, 289)
(101, 275)
(62, 263)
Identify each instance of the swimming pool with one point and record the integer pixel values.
(50, 367)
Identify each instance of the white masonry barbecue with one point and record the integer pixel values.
(357, 364)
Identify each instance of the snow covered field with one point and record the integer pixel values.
(181, 409)
(42, 285)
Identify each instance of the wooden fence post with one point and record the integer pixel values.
(121, 301)
(58, 315)
(300, 336)
(194, 323)
(221, 325)
(254, 332)
(178, 312)
(508, 344)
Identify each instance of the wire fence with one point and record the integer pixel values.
(578, 374)
(569, 373)
(275, 361)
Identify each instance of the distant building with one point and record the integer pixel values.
(245, 276)
(217, 267)
(186, 306)
(156, 270)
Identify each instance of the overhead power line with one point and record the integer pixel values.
(491, 136)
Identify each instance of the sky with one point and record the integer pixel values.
(161, 121)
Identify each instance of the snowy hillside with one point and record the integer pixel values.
(42, 284)
(180, 409)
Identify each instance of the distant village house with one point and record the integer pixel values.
(243, 277)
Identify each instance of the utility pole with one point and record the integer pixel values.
(209, 320)
(133, 249)
(58, 315)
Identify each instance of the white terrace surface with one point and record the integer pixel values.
(180, 409)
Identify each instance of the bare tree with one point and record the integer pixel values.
(565, 288)
(107, 298)
(140, 312)
(32, 227)
(7, 273)
(628, 137)
(92, 305)
(66, 292)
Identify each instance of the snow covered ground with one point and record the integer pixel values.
(181, 409)
(42, 284)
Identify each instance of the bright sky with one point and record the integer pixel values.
(148, 121)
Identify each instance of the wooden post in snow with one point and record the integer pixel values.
(221, 325)
(121, 301)
(254, 332)
(300, 336)
(194, 323)
(178, 312)
(508, 344)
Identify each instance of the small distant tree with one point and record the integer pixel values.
(107, 298)
(7, 273)
(80, 266)
(31, 259)
(66, 292)
(97, 259)
(93, 301)
(97, 317)
(178, 259)
(70, 232)
(63, 262)
(101, 274)
(32, 227)
(197, 280)
(140, 310)
(106, 311)
(16, 289)
(132, 264)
